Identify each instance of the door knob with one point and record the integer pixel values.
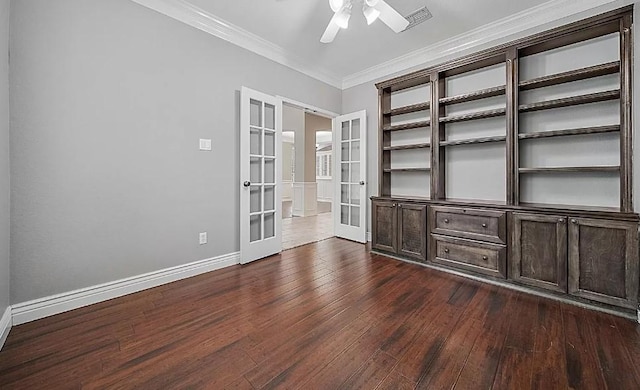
(362, 183)
(247, 184)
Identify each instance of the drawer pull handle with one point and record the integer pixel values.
(484, 225)
(446, 250)
(485, 258)
(446, 220)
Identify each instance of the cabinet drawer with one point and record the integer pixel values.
(489, 259)
(482, 225)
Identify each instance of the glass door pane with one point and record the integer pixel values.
(350, 173)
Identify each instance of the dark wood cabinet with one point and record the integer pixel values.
(384, 228)
(399, 228)
(539, 251)
(412, 230)
(603, 261)
(474, 224)
(470, 255)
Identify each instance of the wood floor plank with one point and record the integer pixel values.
(324, 316)
(583, 370)
(372, 373)
(482, 363)
(549, 363)
(395, 381)
(516, 359)
(617, 369)
(428, 344)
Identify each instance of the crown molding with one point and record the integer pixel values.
(187, 13)
(501, 31)
(544, 16)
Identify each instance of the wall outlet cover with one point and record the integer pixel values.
(205, 144)
(203, 238)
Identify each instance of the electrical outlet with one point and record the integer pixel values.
(203, 238)
(205, 144)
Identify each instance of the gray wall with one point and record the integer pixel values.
(4, 156)
(108, 101)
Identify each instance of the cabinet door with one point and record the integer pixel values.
(412, 231)
(384, 226)
(539, 251)
(603, 261)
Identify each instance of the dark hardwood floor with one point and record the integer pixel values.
(327, 315)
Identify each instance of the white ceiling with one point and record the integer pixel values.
(296, 26)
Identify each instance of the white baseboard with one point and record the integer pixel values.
(369, 236)
(5, 326)
(60, 303)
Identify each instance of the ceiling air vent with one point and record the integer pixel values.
(417, 17)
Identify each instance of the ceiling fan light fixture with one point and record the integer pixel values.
(342, 18)
(370, 13)
(336, 5)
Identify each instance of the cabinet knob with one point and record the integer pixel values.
(485, 258)
(400, 206)
(446, 220)
(561, 220)
(246, 184)
(393, 205)
(574, 221)
(484, 225)
(446, 250)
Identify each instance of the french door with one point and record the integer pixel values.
(260, 175)
(350, 155)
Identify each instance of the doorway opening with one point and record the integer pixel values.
(307, 176)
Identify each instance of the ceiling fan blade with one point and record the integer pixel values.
(390, 16)
(331, 31)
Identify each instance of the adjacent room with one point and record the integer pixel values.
(319, 194)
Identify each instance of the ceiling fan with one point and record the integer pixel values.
(372, 10)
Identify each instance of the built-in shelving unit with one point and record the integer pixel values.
(515, 164)
(405, 123)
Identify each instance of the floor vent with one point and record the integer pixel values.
(417, 17)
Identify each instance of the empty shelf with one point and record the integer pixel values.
(470, 141)
(407, 147)
(573, 75)
(473, 115)
(601, 168)
(409, 109)
(408, 126)
(571, 101)
(476, 95)
(579, 131)
(389, 170)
